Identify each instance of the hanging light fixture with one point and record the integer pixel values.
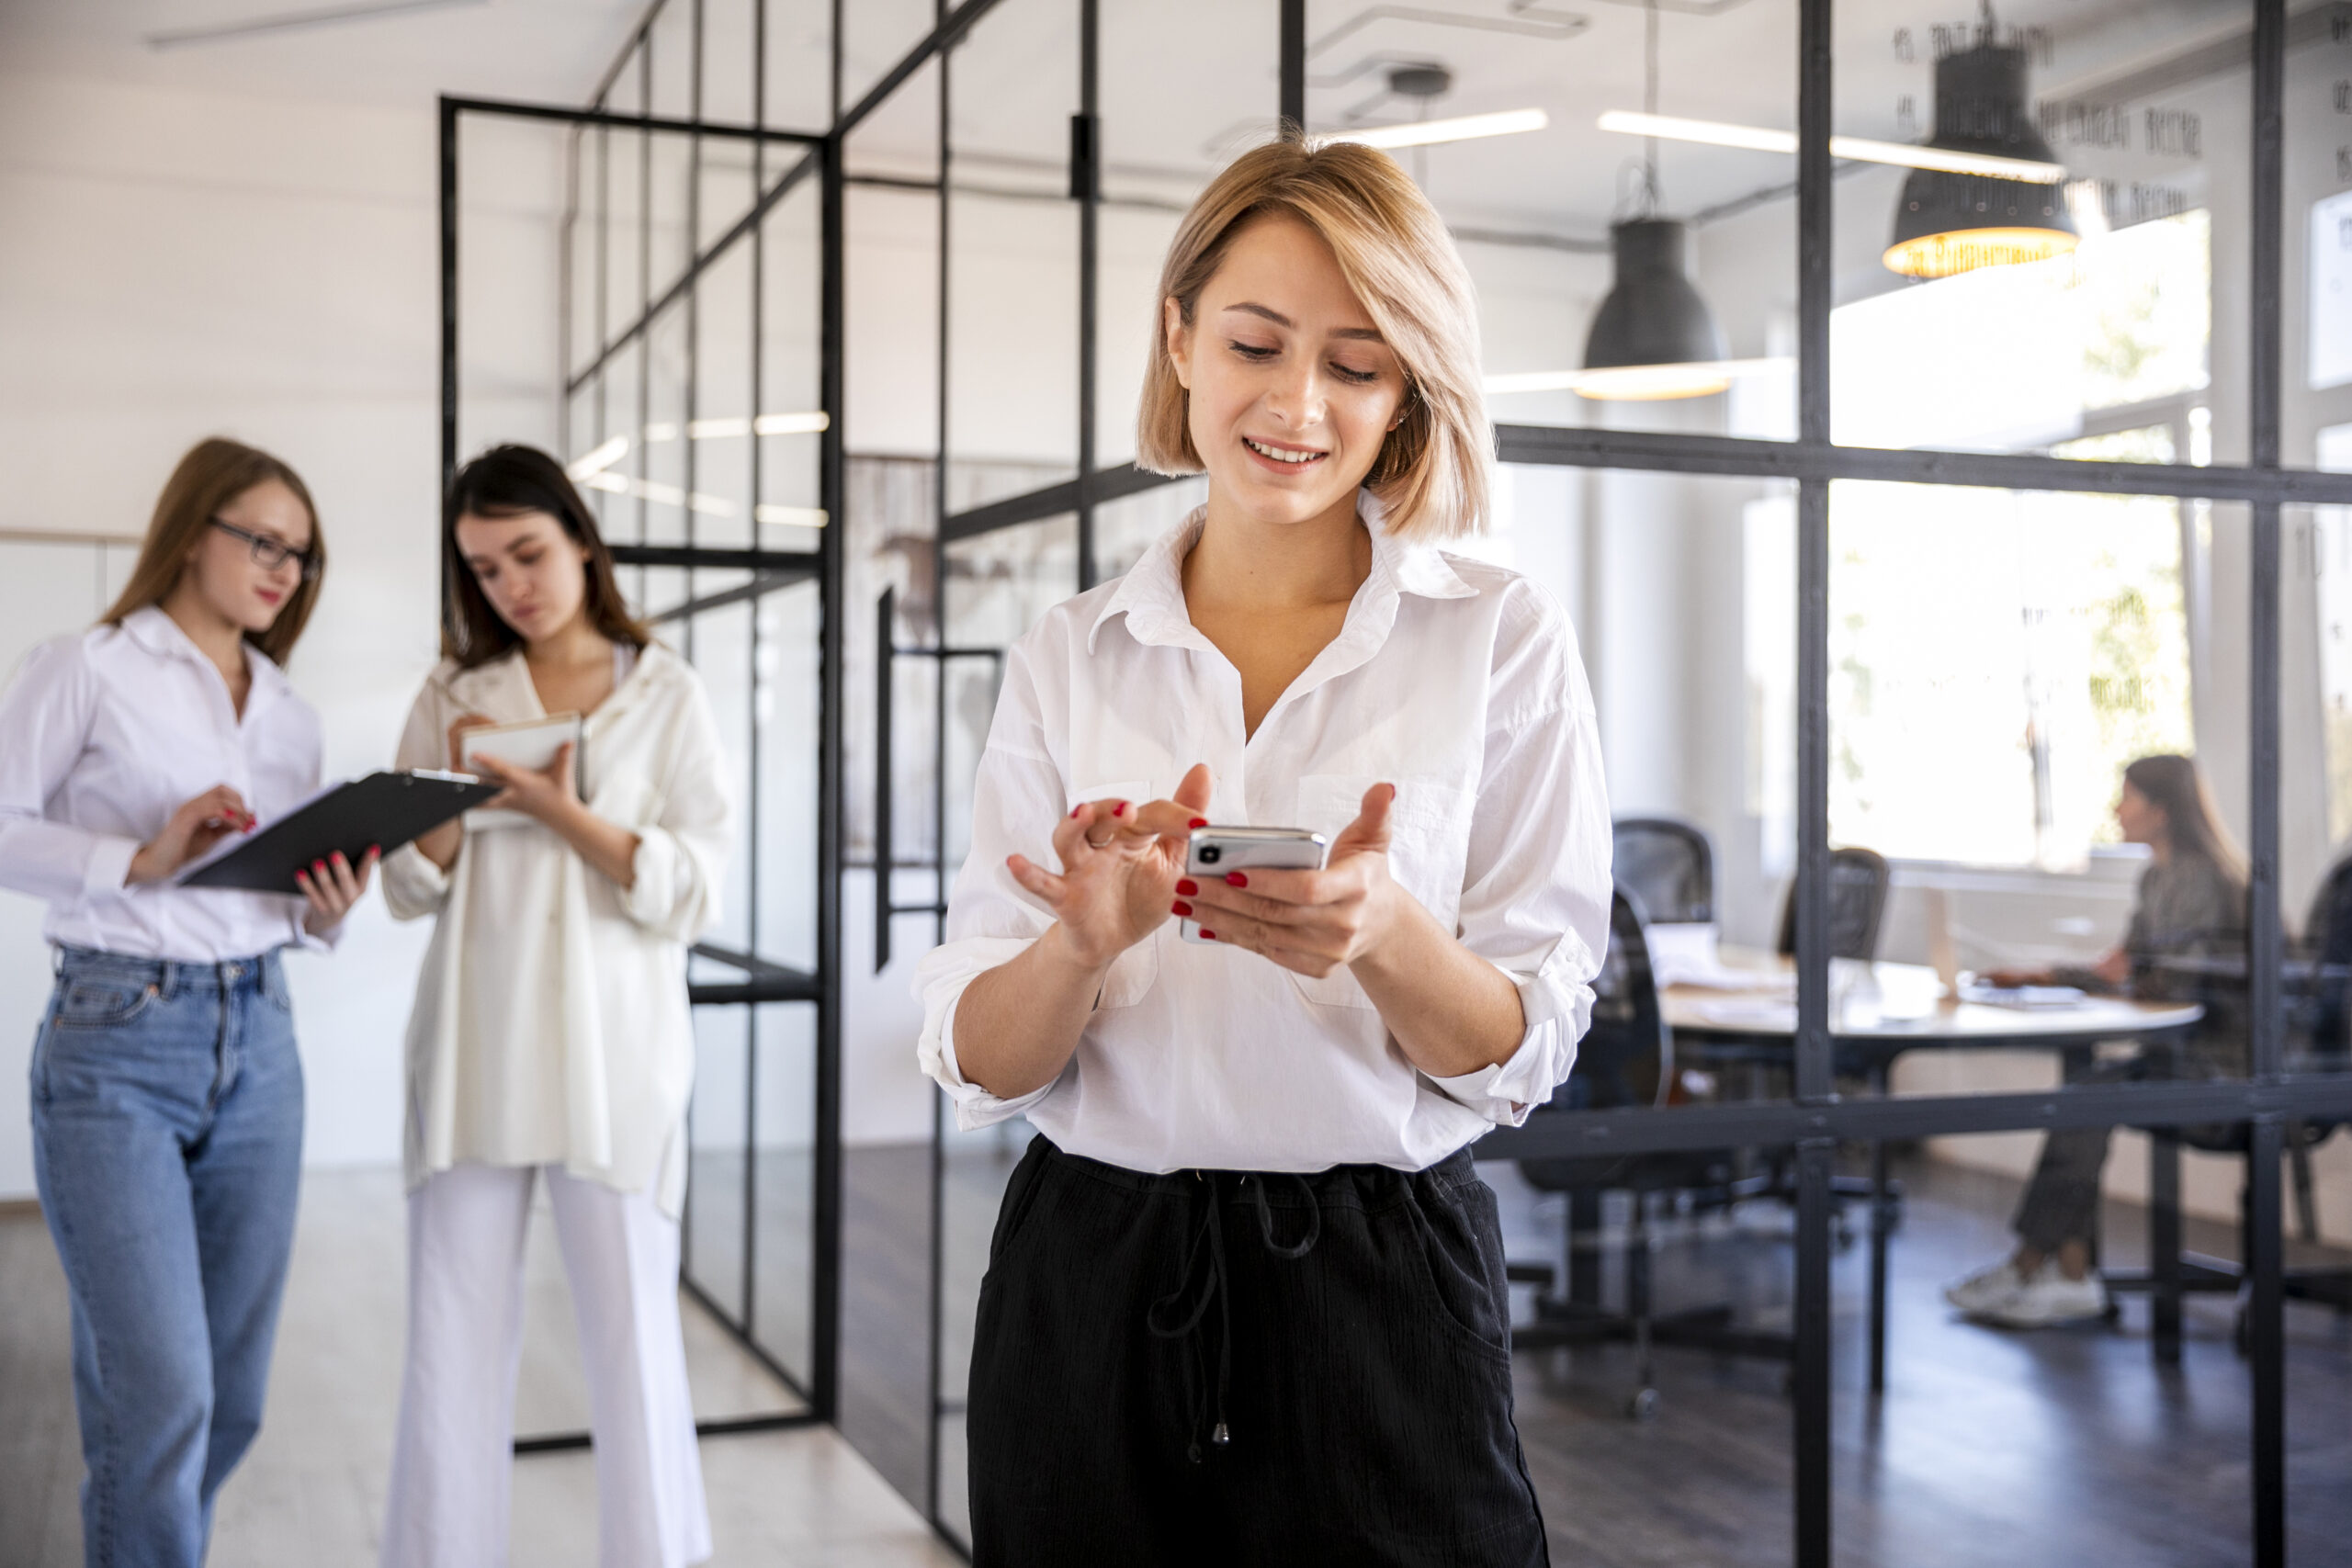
(1950, 222)
(1653, 337)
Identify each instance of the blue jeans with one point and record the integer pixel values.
(167, 1142)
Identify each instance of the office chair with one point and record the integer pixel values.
(1669, 866)
(2319, 1038)
(1626, 1058)
(1858, 880)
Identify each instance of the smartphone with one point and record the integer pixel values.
(1214, 851)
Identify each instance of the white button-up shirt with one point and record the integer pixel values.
(1456, 680)
(103, 734)
(551, 1024)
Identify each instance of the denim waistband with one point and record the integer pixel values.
(170, 975)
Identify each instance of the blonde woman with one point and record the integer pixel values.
(166, 1091)
(1245, 1302)
(551, 1038)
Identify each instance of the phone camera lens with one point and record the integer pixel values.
(1210, 854)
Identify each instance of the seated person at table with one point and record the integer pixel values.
(2191, 904)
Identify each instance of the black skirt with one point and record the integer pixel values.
(1244, 1368)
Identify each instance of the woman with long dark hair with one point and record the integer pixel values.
(166, 1091)
(2191, 904)
(551, 1037)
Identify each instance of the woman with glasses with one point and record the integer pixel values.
(166, 1092)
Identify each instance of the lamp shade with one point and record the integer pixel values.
(1948, 224)
(1653, 337)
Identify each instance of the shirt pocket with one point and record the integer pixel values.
(1136, 971)
(1429, 846)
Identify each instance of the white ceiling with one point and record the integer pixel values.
(1184, 81)
(550, 49)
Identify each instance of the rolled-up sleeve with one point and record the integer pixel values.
(1535, 900)
(1016, 799)
(680, 861)
(46, 716)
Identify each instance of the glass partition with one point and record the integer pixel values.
(2042, 234)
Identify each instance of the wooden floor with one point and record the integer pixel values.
(312, 1492)
(1989, 1449)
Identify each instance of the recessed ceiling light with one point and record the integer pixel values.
(1859, 149)
(1462, 127)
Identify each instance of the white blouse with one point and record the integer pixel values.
(551, 1025)
(1456, 680)
(103, 734)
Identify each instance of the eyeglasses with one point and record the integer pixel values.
(270, 554)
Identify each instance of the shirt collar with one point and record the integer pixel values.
(156, 631)
(1151, 596)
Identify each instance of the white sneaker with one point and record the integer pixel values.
(2049, 1298)
(1987, 1288)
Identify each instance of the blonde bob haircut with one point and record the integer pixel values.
(1435, 470)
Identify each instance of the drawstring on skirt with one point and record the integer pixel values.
(1215, 1285)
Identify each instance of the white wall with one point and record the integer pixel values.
(173, 266)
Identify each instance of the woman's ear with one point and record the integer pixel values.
(1179, 340)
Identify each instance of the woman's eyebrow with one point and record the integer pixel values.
(1367, 334)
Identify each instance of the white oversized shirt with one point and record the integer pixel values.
(104, 734)
(551, 1024)
(1457, 681)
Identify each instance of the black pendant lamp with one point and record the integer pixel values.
(1949, 222)
(1654, 337)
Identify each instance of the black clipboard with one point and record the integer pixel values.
(385, 809)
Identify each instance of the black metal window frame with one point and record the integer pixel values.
(1814, 1120)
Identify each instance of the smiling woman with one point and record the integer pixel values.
(1276, 1117)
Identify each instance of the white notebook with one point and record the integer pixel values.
(530, 744)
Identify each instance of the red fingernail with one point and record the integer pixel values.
(1079, 810)
(318, 866)
(1208, 936)
(375, 849)
(1180, 908)
(1120, 809)
(1199, 821)
(1235, 879)
(1187, 887)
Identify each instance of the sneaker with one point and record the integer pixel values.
(2050, 1298)
(1987, 1288)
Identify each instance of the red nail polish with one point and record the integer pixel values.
(1199, 821)
(1187, 887)
(1235, 879)
(1079, 810)
(1180, 908)
(318, 866)
(1120, 809)
(1208, 936)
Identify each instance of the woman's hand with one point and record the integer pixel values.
(547, 794)
(196, 825)
(332, 888)
(1311, 921)
(1119, 869)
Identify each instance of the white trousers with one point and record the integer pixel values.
(453, 1460)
